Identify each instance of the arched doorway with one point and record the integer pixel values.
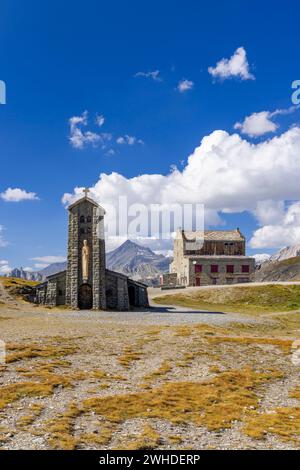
(85, 297)
(131, 294)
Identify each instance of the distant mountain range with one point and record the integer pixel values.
(287, 252)
(136, 261)
(281, 266)
(287, 269)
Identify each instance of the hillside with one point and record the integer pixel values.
(285, 270)
(251, 299)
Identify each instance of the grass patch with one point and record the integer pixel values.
(215, 403)
(283, 422)
(61, 429)
(256, 299)
(284, 344)
(149, 439)
(164, 369)
(129, 356)
(13, 392)
(20, 351)
(26, 420)
(15, 281)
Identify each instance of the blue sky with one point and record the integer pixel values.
(59, 59)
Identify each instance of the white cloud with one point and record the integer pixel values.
(110, 152)
(79, 138)
(261, 123)
(3, 262)
(40, 265)
(226, 173)
(17, 195)
(237, 66)
(49, 259)
(269, 211)
(129, 140)
(5, 269)
(257, 124)
(155, 75)
(3, 242)
(28, 269)
(100, 119)
(185, 85)
(284, 231)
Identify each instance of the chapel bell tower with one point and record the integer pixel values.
(85, 281)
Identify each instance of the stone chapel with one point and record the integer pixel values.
(87, 284)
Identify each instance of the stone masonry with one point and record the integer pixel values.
(102, 288)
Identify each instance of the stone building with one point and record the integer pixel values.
(87, 284)
(209, 257)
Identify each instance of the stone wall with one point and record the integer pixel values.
(72, 269)
(84, 220)
(137, 293)
(116, 291)
(98, 260)
(51, 292)
(206, 277)
(170, 280)
(41, 293)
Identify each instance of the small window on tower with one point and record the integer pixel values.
(89, 219)
(82, 220)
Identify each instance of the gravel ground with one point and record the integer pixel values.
(158, 336)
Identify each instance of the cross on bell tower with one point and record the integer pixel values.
(86, 191)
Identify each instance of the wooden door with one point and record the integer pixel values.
(85, 297)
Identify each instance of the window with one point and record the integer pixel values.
(245, 268)
(230, 268)
(89, 219)
(214, 268)
(82, 219)
(198, 268)
(214, 281)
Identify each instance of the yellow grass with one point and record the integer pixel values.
(250, 299)
(214, 403)
(147, 440)
(13, 392)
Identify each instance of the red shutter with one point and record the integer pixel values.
(198, 268)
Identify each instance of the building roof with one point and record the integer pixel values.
(213, 235)
(88, 199)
